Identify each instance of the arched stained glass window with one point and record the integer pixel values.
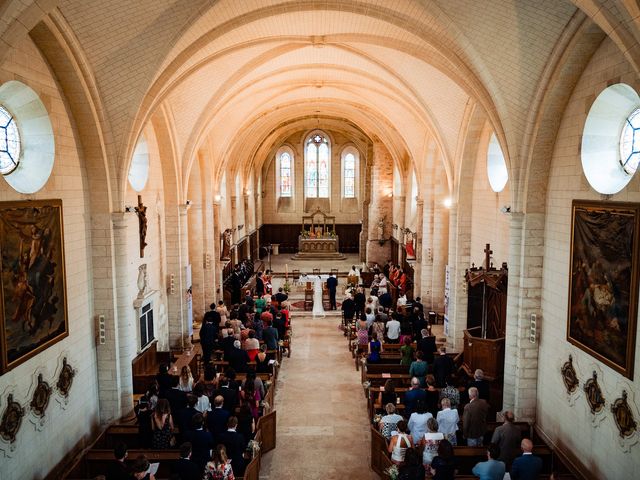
(317, 166)
(349, 175)
(285, 174)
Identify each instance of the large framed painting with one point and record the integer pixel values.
(603, 287)
(33, 290)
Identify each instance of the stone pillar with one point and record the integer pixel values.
(126, 321)
(197, 259)
(525, 289)
(381, 206)
(417, 271)
(216, 252)
(104, 297)
(177, 258)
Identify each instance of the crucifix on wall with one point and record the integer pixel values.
(141, 212)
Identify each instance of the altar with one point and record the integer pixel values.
(318, 239)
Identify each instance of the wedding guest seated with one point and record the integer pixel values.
(209, 380)
(246, 423)
(186, 379)
(229, 394)
(399, 443)
(162, 425)
(374, 349)
(176, 397)
(185, 468)
(369, 317)
(203, 405)
(432, 439)
(238, 358)
(378, 327)
(406, 351)
(164, 379)
(252, 346)
(201, 442)
(118, 469)
(481, 384)
(235, 444)
(279, 325)
(184, 417)
(262, 360)
(219, 468)
(270, 335)
(448, 419)
(389, 421)
(443, 367)
(217, 418)
(433, 395)
(251, 397)
(419, 369)
(418, 422)
(527, 466)
(427, 345)
(140, 468)
(143, 413)
(412, 397)
(443, 465)
(388, 393)
(492, 469)
(412, 469)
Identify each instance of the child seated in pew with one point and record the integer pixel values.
(140, 468)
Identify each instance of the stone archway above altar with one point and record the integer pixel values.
(318, 239)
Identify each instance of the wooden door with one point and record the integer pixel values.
(267, 425)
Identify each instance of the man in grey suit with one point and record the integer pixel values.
(474, 419)
(507, 436)
(492, 469)
(527, 466)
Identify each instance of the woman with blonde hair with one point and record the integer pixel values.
(219, 468)
(186, 380)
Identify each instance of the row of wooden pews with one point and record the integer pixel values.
(374, 375)
(96, 459)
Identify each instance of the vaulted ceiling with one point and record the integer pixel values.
(230, 72)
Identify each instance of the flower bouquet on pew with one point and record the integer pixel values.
(392, 472)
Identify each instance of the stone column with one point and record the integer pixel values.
(104, 297)
(177, 258)
(525, 290)
(126, 321)
(417, 246)
(197, 259)
(381, 206)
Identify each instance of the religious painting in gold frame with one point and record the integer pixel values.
(32, 282)
(603, 284)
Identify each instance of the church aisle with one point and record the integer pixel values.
(322, 428)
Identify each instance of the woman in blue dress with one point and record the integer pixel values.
(374, 349)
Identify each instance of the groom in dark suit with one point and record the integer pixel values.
(332, 284)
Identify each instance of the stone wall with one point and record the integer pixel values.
(594, 442)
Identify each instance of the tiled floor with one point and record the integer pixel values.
(322, 429)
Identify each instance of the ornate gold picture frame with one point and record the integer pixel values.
(603, 282)
(32, 282)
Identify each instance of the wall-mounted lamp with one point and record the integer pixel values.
(506, 209)
(129, 209)
(217, 198)
(249, 192)
(447, 202)
(188, 203)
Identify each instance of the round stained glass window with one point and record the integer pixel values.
(9, 142)
(630, 143)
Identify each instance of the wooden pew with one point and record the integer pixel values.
(96, 462)
(145, 366)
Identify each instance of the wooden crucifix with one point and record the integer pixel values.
(141, 212)
(487, 256)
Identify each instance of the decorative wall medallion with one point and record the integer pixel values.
(65, 379)
(40, 398)
(623, 416)
(569, 376)
(593, 394)
(11, 420)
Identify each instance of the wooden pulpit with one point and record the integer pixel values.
(484, 337)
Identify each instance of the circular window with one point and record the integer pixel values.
(611, 139)
(9, 142)
(630, 143)
(26, 154)
(139, 169)
(496, 165)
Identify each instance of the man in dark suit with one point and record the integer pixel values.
(348, 307)
(228, 393)
(209, 334)
(217, 418)
(443, 367)
(235, 444)
(185, 416)
(118, 469)
(201, 442)
(259, 285)
(237, 358)
(481, 384)
(427, 345)
(332, 284)
(185, 468)
(280, 296)
(507, 436)
(527, 466)
(474, 419)
(413, 396)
